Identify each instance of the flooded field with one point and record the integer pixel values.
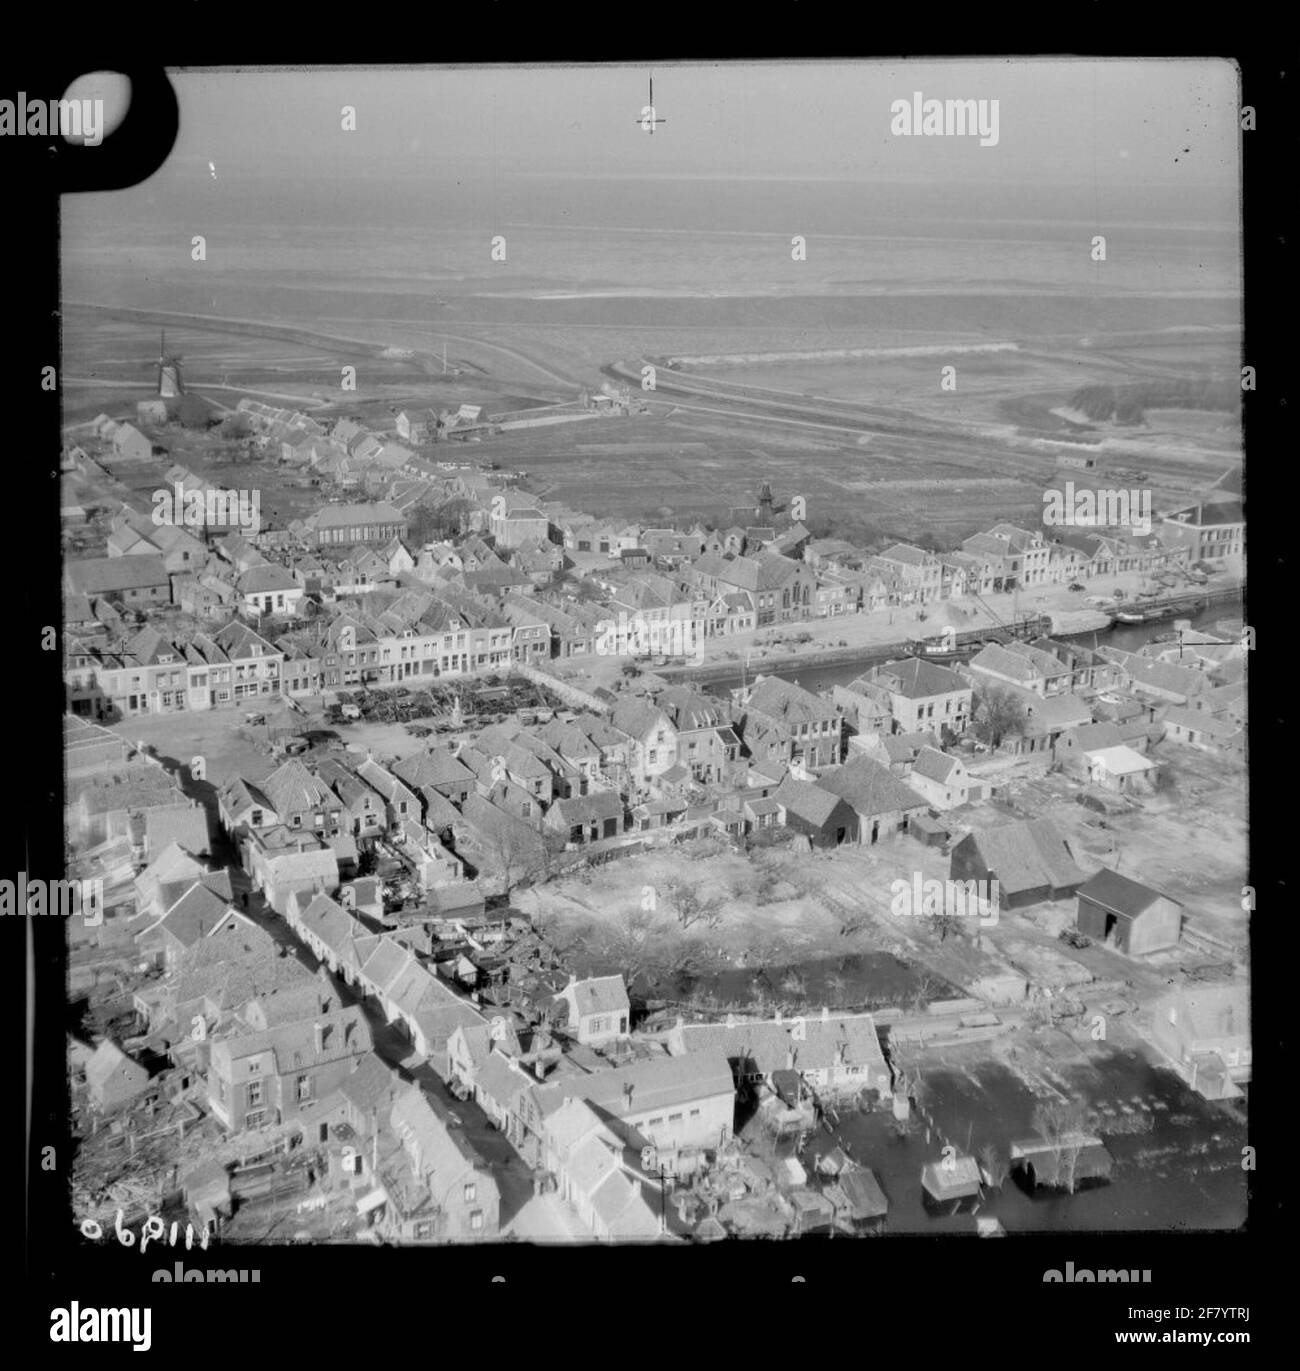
(1177, 1157)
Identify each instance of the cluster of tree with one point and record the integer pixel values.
(434, 524)
(998, 714)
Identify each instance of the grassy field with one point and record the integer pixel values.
(916, 459)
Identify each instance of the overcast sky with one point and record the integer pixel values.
(1120, 122)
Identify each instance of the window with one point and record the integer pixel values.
(256, 1119)
(302, 1087)
(674, 1118)
(476, 1220)
(695, 1113)
(254, 1067)
(656, 1123)
(471, 1191)
(255, 1092)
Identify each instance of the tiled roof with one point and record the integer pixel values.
(598, 995)
(1119, 893)
(1027, 856)
(807, 801)
(102, 575)
(934, 765)
(766, 1045)
(789, 703)
(870, 788)
(659, 1083)
(916, 679)
(195, 914)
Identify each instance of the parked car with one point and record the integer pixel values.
(1076, 585)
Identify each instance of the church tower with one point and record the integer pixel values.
(763, 514)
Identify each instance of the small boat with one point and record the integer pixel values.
(1148, 614)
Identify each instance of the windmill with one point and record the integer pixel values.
(170, 380)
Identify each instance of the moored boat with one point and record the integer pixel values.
(938, 651)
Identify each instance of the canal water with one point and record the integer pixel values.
(1128, 637)
(1177, 1157)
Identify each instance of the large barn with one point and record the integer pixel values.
(1029, 860)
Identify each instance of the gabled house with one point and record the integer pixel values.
(113, 1078)
(883, 804)
(589, 818)
(302, 801)
(651, 736)
(439, 1185)
(438, 770)
(834, 1053)
(598, 1009)
(922, 695)
(785, 724)
(598, 1174)
(272, 1065)
(942, 779)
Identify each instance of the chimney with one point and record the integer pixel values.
(320, 1038)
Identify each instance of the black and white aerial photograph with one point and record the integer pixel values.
(654, 656)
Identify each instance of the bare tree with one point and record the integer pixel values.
(637, 940)
(516, 851)
(926, 990)
(943, 924)
(691, 906)
(794, 984)
(1060, 1124)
